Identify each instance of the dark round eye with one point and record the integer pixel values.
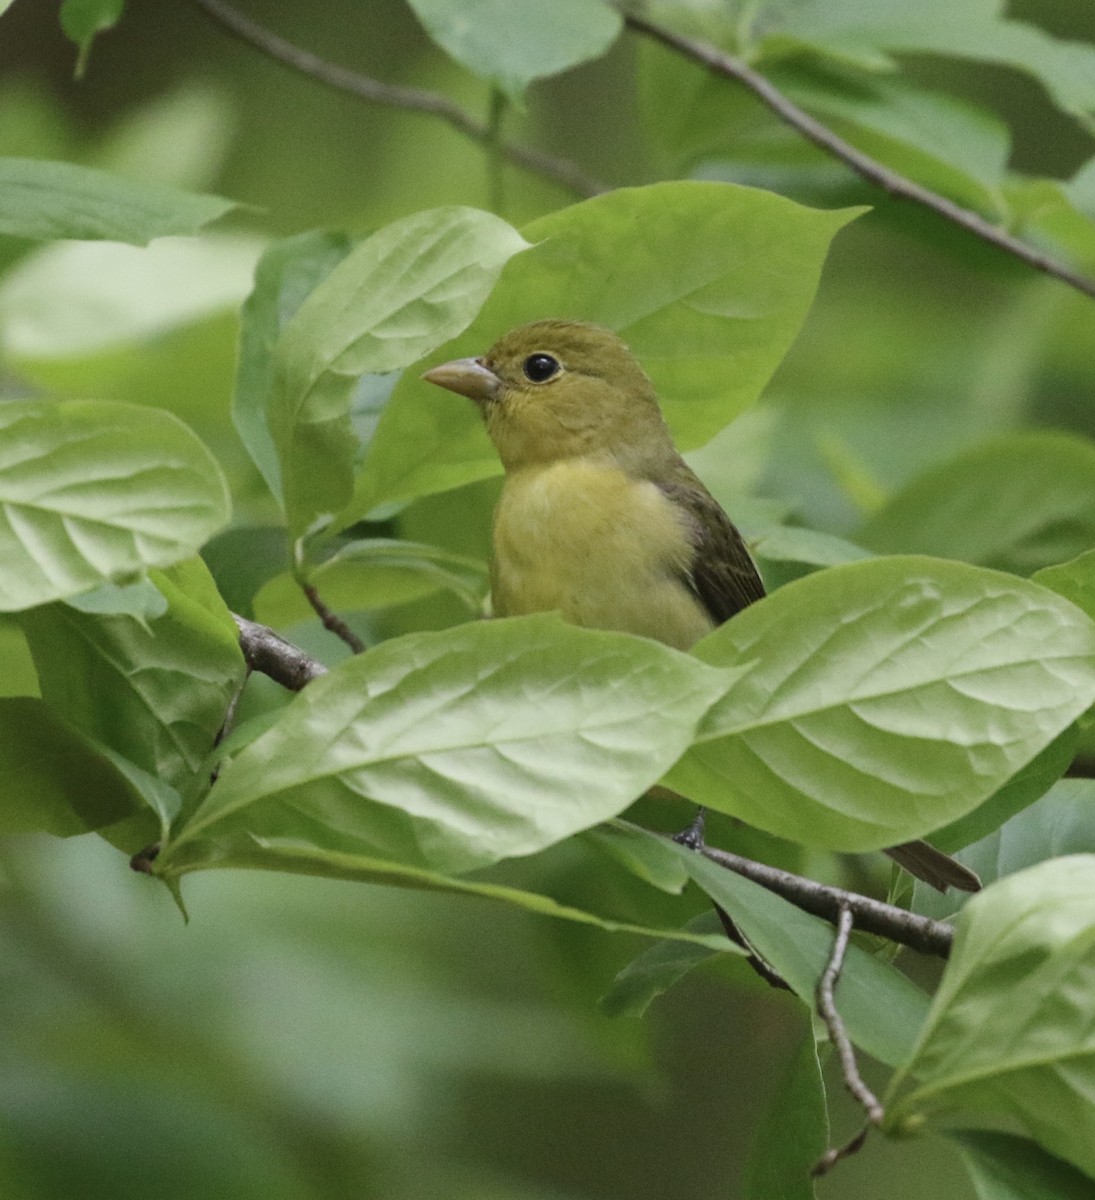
(539, 368)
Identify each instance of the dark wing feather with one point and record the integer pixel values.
(723, 575)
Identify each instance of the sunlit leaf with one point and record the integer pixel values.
(885, 698)
(94, 491)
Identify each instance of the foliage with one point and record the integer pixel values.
(916, 481)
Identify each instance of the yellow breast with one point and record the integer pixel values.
(606, 550)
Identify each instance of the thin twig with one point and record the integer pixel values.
(760, 965)
(374, 91)
(332, 622)
(862, 164)
(853, 1081)
(924, 934)
(264, 651)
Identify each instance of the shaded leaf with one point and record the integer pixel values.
(1010, 1031)
(83, 19)
(44, 200)
(1075, 580)
(93, 490)
(1003, 1166)
(883, 699)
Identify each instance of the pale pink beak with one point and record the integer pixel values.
(467, 376)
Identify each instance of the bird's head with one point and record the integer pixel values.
(561, 389)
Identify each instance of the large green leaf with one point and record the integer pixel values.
(152, 687)
(452, 750)
(411, 285)
(885, 698)
(1010, 1031)
(46, 200)
(1016, 503)
(882, 1010)
(52, 778)
(512, 42)
(1006, 1167)
(287, 272)
(709, 283)
(93, 490)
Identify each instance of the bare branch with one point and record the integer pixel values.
(374, 91)
(924, 934)
(266, 652)
(853, 1081)
(868, 168)
(332, 622)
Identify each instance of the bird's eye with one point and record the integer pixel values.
(539, 368)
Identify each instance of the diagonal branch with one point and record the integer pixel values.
(868, 168)
(374, 91)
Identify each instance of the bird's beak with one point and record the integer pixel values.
(469, 377)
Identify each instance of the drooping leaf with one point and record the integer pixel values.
(512, 42)
(83, 19)
(1017, 503)
(1010, 1033)
(456, 749)
(881, 1009)
(287, 272)
(45, 200)
(93, 491)
(1004, 1166)
(883, 699)
(398, 294)
(710, 296)
(154, 687)
(52, 778)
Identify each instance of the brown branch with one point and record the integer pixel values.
(264, 651)
(374, 91)
(924, 934)
(868, 168)
(332, 622)
(853, 1081)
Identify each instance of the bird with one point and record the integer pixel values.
(600, 518)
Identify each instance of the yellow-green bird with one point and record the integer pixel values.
(600, 518)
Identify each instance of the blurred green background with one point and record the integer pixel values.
(302, 1038)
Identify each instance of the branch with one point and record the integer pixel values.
(868, 168)
(374, 91)
(264, 651)
(332, 622)
(853, 1081)
(924, 934)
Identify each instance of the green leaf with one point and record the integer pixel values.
(1016, 503)
(710, 297)
(883, 699)
(661, 967)
(882, 1009)
(154, 687)
(93, 490)
(83, 19)
(862, 32)
(1010, 1031)
(1075, 580)
(652, 860)
(456, 749)
(791, 543)
(254, 853)
(1004, 1166)
(52, 778)
(794, 1133)
(45, 200)
(375, 573)
(393, 298)
(286, 274)
(512, 42)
